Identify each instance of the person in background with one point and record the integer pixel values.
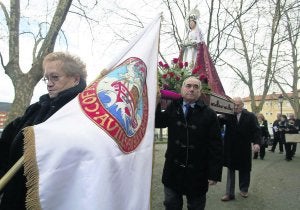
(65, 77)
(242, 129)
(276, 135)
(265, 135)
(284, 128)
(296, 128)
(194, 152)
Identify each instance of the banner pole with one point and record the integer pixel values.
(10, 174)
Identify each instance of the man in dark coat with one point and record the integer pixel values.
(276, 135)
(242, 129)
(65, 76)
(295, 129)
(194, 153)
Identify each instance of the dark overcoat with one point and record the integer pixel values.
(194, 152)
(238, 138)
(264, 129)
(276, 133)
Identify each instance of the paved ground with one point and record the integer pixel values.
(275, 185)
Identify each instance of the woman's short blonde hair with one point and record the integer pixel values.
(71, 64)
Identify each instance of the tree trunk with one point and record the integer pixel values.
(24, 83)
(23, 94)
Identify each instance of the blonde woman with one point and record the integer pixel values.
(265, 135)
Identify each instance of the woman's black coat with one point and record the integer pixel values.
(11, 142)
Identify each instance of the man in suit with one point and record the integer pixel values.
(242, 129)
(193, 159)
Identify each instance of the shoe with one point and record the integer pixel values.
(261, 158)
(288, 159)
(227, 198)
(280, 152)
(254, 157)
(244, 194)
(271, 150)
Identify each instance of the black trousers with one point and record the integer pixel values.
(288, 151)
(174, 200)
(244, 181)
(293, 149)
(275, 142)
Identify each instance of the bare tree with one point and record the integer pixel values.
(256, 59)
(287, 74)
(24, 83)
(212, 17)
(246, 36)
(44, 42)
(239, 34)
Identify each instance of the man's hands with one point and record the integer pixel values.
(256, 148)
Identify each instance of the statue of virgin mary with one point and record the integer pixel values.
(195, 52)
(192, 39)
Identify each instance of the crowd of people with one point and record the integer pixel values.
(197, 147)
(245, 136)
(282, 126)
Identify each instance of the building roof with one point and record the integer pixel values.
(273, 96)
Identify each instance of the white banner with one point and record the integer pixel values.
(96, 151)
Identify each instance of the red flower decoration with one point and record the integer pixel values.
(195, 71)
(175, 60)
(166, 66)
(172, 74)
(171, 77)
(180, 65)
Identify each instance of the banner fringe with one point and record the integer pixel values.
(31, 170)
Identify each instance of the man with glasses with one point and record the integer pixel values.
(194, 153)
(65, 77)
(242, 129)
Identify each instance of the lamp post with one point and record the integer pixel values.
(280, 101)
